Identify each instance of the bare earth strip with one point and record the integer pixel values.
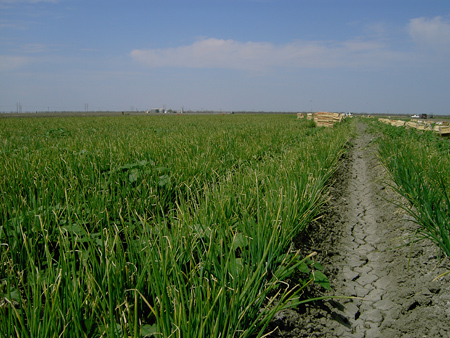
(363, 252)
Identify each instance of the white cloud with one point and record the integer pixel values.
(8, 62)
(433, 33)
(231, 54)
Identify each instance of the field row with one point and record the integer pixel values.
(418, 163)
(175, 226)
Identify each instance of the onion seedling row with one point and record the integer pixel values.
(418, 163)
(164, 226)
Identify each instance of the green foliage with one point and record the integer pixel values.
(176, 226)
(418, 163)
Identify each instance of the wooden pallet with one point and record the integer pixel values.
(326, 119)
(443, 130)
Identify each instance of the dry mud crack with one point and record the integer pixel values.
(363, 252)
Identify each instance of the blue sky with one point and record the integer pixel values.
(371, 56)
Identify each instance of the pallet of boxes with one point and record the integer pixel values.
(442, 129)
(325, 119)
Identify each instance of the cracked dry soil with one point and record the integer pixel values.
(360, 240)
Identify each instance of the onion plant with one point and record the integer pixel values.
(172, 226)
(418, 163)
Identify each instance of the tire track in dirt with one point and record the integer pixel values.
(360, 243)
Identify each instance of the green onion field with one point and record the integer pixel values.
(419, 167)
(163, 226)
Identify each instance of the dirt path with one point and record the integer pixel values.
(363, 253)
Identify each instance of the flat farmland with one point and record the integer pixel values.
(215, 226)
(158, 225)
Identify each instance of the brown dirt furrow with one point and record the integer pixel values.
(365, 256)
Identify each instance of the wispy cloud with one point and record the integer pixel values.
(433, 33)
(8, 24)
(231, 54)
(10, 63)
(40, 48)
(26, 1)
(33, 48)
